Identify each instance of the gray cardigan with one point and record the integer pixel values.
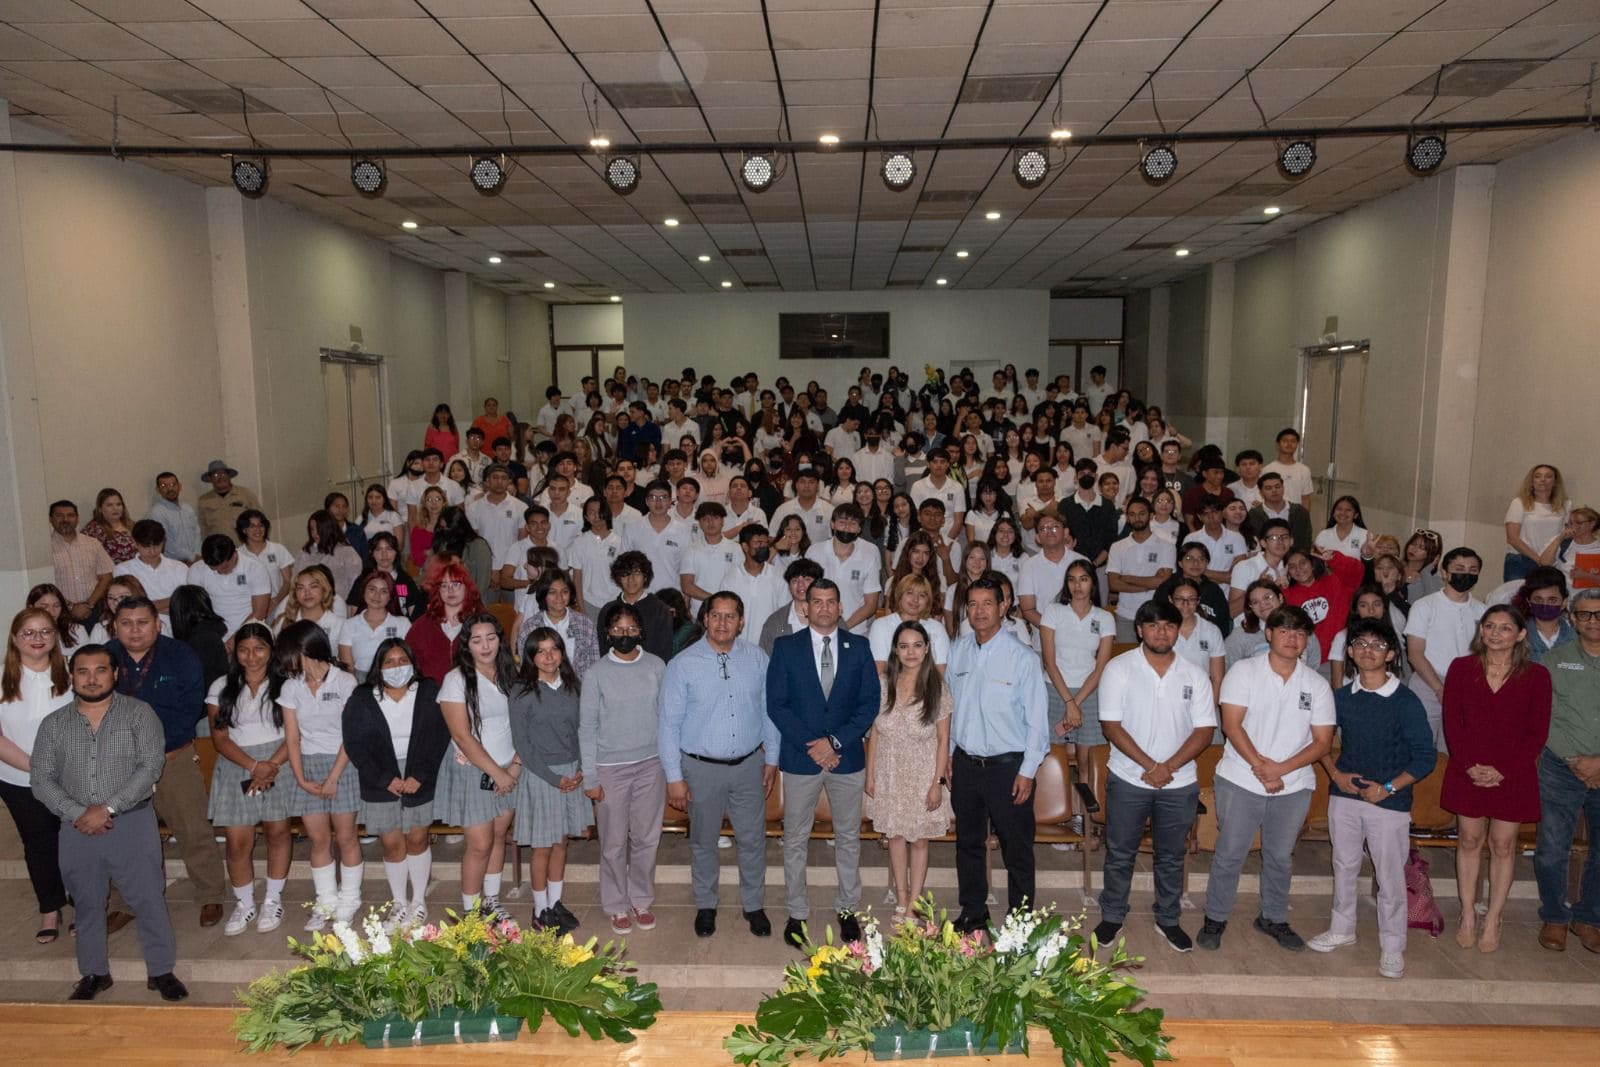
(617, 713)
(544, 727)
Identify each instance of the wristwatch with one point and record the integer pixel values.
(110, 810)
(944, 781)
(1388, 787)
(834, 741)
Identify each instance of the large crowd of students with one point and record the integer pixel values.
(680, 592)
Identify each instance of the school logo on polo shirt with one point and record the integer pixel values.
(1094, 627)
(1188, 693)
(1205, 646)
(330, 696)
(855, 575)
(240, 579)
(1305, 701)
(1151, 557)
(391, 631)
(272, 557)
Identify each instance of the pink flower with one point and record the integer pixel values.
(428, 933)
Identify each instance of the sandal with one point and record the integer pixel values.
(47, 935)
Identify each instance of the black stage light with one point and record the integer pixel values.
(622, 174)
(1031, 167)
(369, 177)
(488, 174)
(1424, 153)
(250, 176)
(1296, 158)
(899, 170)
(1159, 163)
(758, 171)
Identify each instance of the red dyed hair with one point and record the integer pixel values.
(452, 571)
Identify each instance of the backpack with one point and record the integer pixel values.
(1422, 911)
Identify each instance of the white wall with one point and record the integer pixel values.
(724, 334)
(1086, 318)
(589, 324)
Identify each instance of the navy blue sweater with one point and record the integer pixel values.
(1381, 737)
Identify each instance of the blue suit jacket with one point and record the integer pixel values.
(796, 706)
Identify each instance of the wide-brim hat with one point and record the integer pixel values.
(218, 465)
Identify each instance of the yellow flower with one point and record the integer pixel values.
(330, 943)
(572, 954)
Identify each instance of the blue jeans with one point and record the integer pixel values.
(1561, 797)
(1517, 566)
(1170, 813)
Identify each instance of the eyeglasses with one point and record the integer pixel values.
(1431, 535)
(633, 632)
(1585, 616)
(1369, 646)
(35, 635)
(452, 585)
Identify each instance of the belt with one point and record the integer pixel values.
(986, 761)
(724, 762)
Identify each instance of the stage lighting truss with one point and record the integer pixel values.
(1296, 158)
(1031, 166)
(250, 176)
(1159, 162)
(622, 174)
(1424, 153)
(899, 170)
(488, 174)
(758, 171)
(369, 176)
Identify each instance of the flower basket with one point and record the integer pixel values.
(896, 1042)
(448, 1026)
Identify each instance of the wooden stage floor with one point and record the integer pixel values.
(73, 1034)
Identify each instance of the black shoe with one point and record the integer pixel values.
(167, 985)
(760, 925)
(794, 933)
(568, 921)
(1176, 938)
(1210, 937)
(966, 924)
(1106, 933)
(90, 986)
(550, 919)
(849, 927)
(1286, 938)
(705, 922)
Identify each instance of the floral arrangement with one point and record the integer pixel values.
(925, 982)
(468, 968)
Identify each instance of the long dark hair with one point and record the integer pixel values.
(1065, 596)
(299, 642)
(234, 683)
(375, 672)
(505, 667)
(930, 686)
(1355, 505)
(67, 629)
(528, 674)
(190, 610)
(11, 679)
(449, 417)
(454, 532)
(329, 536)
(366, 505)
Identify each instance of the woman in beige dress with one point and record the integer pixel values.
(908, 762)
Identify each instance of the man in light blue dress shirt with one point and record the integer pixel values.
(177, 518)
(719, 751)
(1000, 734)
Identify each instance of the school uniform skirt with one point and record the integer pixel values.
(1088, 733)
(387, 816)
(465, 804)
(346, 800)
(229, 806)
(545, 815)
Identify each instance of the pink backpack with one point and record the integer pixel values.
(1422, 911)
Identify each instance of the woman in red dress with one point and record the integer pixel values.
(1496, 720)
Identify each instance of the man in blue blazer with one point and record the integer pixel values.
(822, 694)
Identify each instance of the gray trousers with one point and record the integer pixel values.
(1240, 813)
(129, 857)
(800, 793)
(736, 792)
(629, 823)
(1169, 813)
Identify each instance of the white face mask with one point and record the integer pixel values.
(397, 677)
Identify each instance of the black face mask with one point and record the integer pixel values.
(1462, 583)
(762, 554)
(844, 537)
(872, 441)
(1086, 482)
(626, 643)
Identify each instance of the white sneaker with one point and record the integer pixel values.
(419, 913)
(321, 913)
(346, 909)
(1392, 965)
(1062, 846)
(724, 841)
(1327, 941)
(243, 915)
(271, 916)
(493, 911)
(889, 897)
(395, 915)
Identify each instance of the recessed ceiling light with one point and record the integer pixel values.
(992, 216)
(941, 281)
(1060, 135)
(599, 142)
(963, 254)
(1181, 252)
(408, 225)
(703, 259)
(616, 299)
(1271, 210)
(828, 140)
(727, 285)
(494, 259)
(549, 285)
(669, 222)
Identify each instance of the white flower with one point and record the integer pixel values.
(1047, 953)
(376, 937)
(1016, 930)
(874, 943)
(351, 941)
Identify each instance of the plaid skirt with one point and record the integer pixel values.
(390, 815)
(545, 815)
(465, 804)
(347, 800)
(229, 806)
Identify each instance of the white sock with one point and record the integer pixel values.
(554, 891)
(275, 888)
(245, 894)
(325, 881)
(541, 901)
(396, 873)
(491, 885)
(350, 880)
(468, 900)
(421, 868)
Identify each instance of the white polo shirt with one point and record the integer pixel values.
(1077, 640)
(665, 549)
(856, 575)
(592, 558)
(565, 528)
(252, 714)
(706, 564)
(1201, 646)
(1330, 541)
(818, 518)
(762, 593)
(413, 490)
(1278, 718)
(231, 593)
(951, 493)
(1226, 549)
(1446, 626)
(319, 715)
(1296, 479)
(498, 524)
(1041, 579)
(1159, 712)
(1134, 560)
(881, 637)
(363, 639)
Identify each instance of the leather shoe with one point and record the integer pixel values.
(116, 920)
(167, 985)
(210, 914)
(760, 925)
(90, 986)
(1589, 935)
(965, 924)
(705, 922)
(849, 927)
(794, 933)
(1553, 936)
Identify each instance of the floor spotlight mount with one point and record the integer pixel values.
(622, 174)
(369, 176)
(488, 174)
(1296, 157)
(1159, 162)
(899, 170)
(1031, 166)
(758, 171)
(250, 176)
(1425, 152)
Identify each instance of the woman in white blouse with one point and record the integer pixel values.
(380, 515)
(34, 684)
(1534, 521)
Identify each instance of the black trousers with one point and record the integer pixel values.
(980, 795)
(39, 828)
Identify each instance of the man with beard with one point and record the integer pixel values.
(1137, 566)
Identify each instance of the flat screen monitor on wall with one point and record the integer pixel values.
(854, 335)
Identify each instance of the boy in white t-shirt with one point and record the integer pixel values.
(1439, 629)
(1297, 483)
